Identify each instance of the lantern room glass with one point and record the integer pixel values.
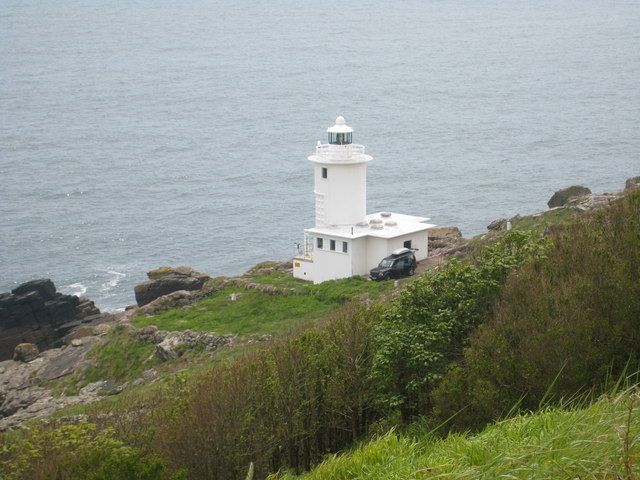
(340, 138)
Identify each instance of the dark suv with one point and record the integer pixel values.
(400, 263)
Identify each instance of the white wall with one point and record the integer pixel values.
(331, 265)
(345, 192)
(418, 240)
(358, 248)
(303, 268)
(377, 249)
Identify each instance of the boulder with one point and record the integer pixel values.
(171, 347)
(44, 287)
(633, 182)
(15, 400)
(176, 271)
(179, 298)
(151, 334)
(561, 197)
(25, 352)
(166, 280)
(498, 224)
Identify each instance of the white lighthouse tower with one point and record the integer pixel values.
(345, 240)
(340, 184)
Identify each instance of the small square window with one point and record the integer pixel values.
(345, 247)
(324, 172)
(407, 244)
(319, 243)
(332, 245)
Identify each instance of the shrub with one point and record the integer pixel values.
(429, 325)
(76, 452)
(286, 405)
(565, 323)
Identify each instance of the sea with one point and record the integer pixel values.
(141, 133)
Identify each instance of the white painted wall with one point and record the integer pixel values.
(377, 249)
(418, 240)
(303, 268)
(329, 264)
(345, 192)
(358, 248)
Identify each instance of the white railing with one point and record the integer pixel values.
(339, 153)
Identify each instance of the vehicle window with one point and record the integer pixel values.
(386, 263)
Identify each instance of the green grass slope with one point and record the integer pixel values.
(599, 441)
(255, 312)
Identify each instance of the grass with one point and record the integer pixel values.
(599, 441)
(536, 223)
(122, 358)
(255, 312)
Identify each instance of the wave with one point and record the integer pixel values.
(113, 281)
(76, 289)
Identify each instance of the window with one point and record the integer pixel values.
(319, 243)
(407, 244)
(324, 172)
(332, 245)
(340, 138)
(345, 247)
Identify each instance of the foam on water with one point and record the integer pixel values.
(77, 289)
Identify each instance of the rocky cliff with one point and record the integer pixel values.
(36, 313)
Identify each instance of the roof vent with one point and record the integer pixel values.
(391, 223)
(375, 221)
(362, 224)
(377, 226)
(385, 214)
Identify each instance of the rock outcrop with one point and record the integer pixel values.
(170, 345)
(443, 240)
(25, 352)
(561, 197)
(35, 313)
(633, 182)
(165, 280)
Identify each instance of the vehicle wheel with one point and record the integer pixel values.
(412, 270)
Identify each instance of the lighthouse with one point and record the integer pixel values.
(345, 240)
(340, 172)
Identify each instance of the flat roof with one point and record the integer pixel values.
(404, 224)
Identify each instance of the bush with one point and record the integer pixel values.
(429, 325)
(565, 323)
(286, 405)
(75, 452)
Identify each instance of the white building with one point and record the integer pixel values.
(345, 240)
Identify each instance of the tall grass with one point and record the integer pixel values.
(597, 441)
(286, 405)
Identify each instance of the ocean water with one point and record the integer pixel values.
(141, 133)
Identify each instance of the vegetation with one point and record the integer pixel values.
(565, 322)
(519, 326)
(76, 452)
(255, 312)
(121, 359)
(595, 441)
(426, 329)
(286, 405)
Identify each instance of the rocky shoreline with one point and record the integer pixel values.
(46, 335)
